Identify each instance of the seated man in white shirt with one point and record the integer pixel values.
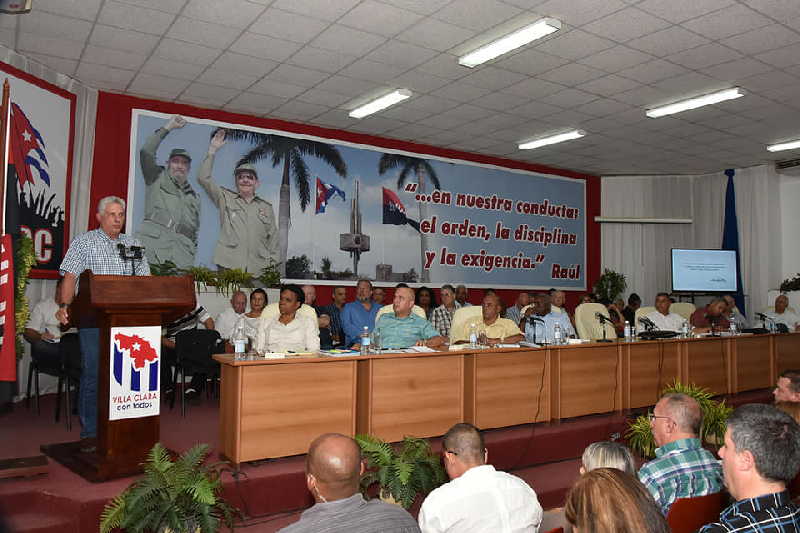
(42, 331)
(289, 331)
(226, 320)
(478, 498)
(661, 317)
(782, 314)
(539, 321)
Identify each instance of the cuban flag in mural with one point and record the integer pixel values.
(325, 191)
(135, 361)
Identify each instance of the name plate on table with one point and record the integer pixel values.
(134, 364)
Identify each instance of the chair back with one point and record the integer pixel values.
(687, 515)
(642, 311)
(463, 315)
(389, 308)
(272, 311)
(194, 348)
(588, 325)
(685, 309)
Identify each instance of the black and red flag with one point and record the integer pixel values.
(394, 212)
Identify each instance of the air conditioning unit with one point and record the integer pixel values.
(15, 7)
(790, 167)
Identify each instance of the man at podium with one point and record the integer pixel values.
(105, 250)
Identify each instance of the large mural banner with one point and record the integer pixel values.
(206, 193)
(39, 166)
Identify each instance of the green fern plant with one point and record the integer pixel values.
(24, 259)
(270, 275)
(610, 285)
(182, 496)
(232, 279)
(715, 416)
(202, 276)
(167, 268)
(401, 473)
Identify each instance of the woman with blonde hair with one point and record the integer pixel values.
(608, 500)
(607, 455)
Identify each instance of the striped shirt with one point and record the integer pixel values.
(404, 332)
(354, 515)
(770, 513)
(96, 251)
(681, 469)
(187, 321)
(336, 321)
(442, 319)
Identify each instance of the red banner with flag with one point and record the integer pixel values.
(8, 334)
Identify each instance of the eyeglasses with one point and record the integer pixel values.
(653, 416)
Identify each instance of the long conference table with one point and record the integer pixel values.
(275, 407)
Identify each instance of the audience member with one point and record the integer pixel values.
(443, 315)
(608, 500)
(790, 408)
(426, 300)
(661, 317)
(378, 295)
(493, 329)
(288, 332)
(478, 498)
(634, 303)
(323, 319)
(359, 314)
(226, 320)
(333, 474)
(788, 387)
(588, 298)
(615, 314)
(169, 356)
(251, 319)
(738, 318)
(43, 331)
(783, 315)
(402, 328)
(558, 300)
(682, 467)
(760, 457)
(462, 295)
(514, 313)
(607, 454)
(539, 322)
(334, 310)
(711, 317)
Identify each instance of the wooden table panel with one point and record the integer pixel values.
(651, 366)
(419, 396)
(511, 388)
(752, 364)
(707, 364)
(285, 407)
(589, 380)
(787, 353)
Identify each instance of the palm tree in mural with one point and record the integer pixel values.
(421, 169)
(290, 152)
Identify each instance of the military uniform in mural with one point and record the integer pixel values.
(248, 236)
(171, 209)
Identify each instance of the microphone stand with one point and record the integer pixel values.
(602, 320)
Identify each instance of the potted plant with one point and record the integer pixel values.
(181, 496)
(712, 431)
(401, 472)
(204, 277)
(791, 284)
(610, 285)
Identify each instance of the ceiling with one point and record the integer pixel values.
(310, 61)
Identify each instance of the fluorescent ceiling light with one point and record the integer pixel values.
(791, 145)
(694, 103)
(561, 137)
(383, 102)
(510, 42)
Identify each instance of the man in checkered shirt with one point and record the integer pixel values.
(760, 458)
(98, 251)
(682, 467)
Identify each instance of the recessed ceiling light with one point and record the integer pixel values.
(791, 145)
(381, 103)
(510, 42)
(553, 139)
(694, 103)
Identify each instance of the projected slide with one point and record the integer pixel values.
(704, 270)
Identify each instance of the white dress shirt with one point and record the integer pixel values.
(481, 500)
(787, 318)
(226, 321)
(668, 322)
(299, 335)
(43, 318)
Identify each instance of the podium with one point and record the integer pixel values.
(106, 302)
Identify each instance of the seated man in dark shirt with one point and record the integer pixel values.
(323, 319)
(760, 458)
(634, 303)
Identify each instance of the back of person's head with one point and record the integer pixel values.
(608, 454)
(771, 436)
(684, 411)
(465, 442)
(607, 500)
(333, 467)
(794, 379)
(634, 299)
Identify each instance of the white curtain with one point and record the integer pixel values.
(642, 251)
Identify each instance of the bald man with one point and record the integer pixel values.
(494, 328)
(333, 472)
(402, 328)
(478, 498)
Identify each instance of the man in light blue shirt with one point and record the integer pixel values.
(360, 313)
(539, 322)
(402, 328)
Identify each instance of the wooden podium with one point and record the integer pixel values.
(105, 302)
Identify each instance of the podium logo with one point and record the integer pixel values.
(135, 363)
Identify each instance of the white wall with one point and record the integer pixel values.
(790, 226)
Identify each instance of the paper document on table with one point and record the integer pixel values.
(421, 349)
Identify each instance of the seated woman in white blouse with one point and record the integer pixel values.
(288, 332)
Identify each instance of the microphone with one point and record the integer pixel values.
(649, 325)
(762, 316)
(131, 253)
(534, 318)
(603, 318)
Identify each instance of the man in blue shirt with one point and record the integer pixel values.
(356, 315)
(402, 328)
(541, 327)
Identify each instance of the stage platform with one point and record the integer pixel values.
(270, 493)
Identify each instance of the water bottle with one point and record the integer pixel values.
(473, 335)
(685, 329)
(365, 341)
(557, 337)
(627, 332)
(732, 322)
(239, 339)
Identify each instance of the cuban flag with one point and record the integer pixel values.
(324, 193)
(135, 363)
(27, 149)
(394, 212)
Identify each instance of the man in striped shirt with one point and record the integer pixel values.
(760, 458)
(682, 467)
